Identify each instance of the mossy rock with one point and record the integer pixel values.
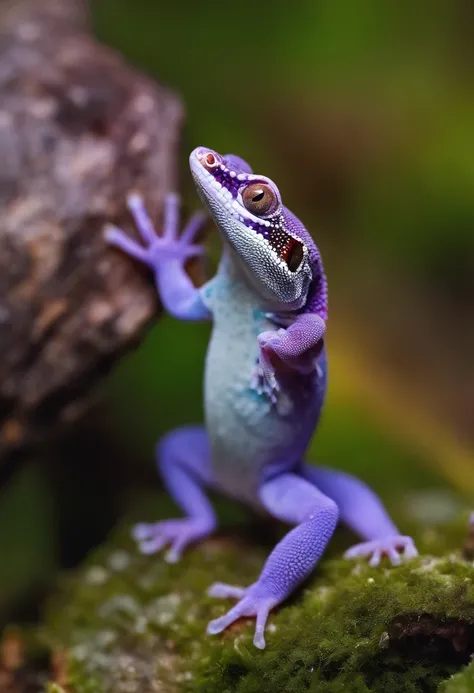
(135, 623)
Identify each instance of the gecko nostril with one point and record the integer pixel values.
(208, 159)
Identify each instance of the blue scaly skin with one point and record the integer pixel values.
(265, 383)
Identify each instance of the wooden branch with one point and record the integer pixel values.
(79, 128)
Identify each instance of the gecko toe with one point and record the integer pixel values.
(178, 534)
(173, 556)
(141, 531)
(153, 545)
(216, 626)
(395, 548)
(219, 590)
(394, 556)
(253, 601)
(410, 551)
(113, 234)
(375, 559)
(134, 200)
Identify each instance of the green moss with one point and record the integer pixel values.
(131, 623)
(462, 682)
(360, 629)
(128, 619)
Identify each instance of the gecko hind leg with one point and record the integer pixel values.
(183, 457)
(364, 513)
(293, 500)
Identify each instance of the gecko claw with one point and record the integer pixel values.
(118, 238)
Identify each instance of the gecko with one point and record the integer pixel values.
(264, 386)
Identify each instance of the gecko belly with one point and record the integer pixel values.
(248, 434)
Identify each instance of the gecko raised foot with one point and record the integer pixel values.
(264, 384)
(394, 548)
(263, 379)
(253, 601)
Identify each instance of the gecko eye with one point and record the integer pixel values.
(259, 199)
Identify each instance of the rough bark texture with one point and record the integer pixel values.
(78, 129)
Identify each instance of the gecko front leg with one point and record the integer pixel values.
(296, 347)
(166, 255)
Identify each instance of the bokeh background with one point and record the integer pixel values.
(363, 114)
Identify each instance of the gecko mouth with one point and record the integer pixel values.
(293, 254)
(290, 250)
(227, 185)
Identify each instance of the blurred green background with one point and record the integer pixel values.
(363, 113)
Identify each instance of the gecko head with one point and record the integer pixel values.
(249, 214)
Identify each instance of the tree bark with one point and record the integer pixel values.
(79, 128)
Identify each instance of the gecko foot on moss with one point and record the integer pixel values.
(393, 547)
(254, 601)
(179, 533)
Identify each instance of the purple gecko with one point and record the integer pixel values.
(265, 384)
